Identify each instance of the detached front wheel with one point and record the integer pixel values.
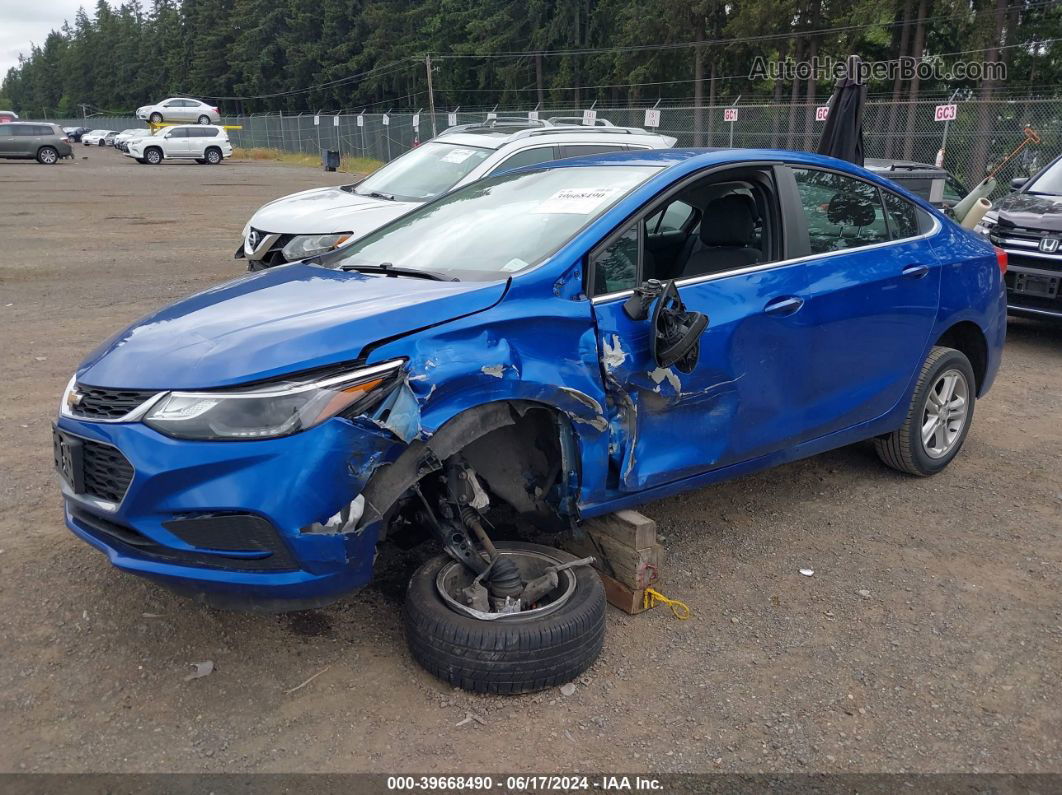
(547, 645)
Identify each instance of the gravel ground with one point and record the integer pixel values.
(927, 640)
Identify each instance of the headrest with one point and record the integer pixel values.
(729, 221)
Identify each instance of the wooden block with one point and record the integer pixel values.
(626, 527)
(619, 595)
(635, 568)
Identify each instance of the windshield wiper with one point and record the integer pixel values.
(387, 269)
(377, 195)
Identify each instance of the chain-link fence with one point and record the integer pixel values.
(981, 134)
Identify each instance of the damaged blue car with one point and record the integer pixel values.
(552, 343)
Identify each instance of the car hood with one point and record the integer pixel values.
(325, 210)
(1034, 210)
(283, 320)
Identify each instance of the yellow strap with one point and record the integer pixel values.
(652, 596)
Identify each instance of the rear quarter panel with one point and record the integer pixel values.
(972, 290)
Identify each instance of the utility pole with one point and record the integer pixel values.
(431, 96)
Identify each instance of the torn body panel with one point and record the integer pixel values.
(533, 389)
(740, 399)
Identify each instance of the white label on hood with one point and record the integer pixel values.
(457, 156)
(577, 201)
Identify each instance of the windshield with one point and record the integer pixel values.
(1049, 182)
(424, 172)
(497, 226)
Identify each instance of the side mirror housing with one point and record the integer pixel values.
(1018, 183)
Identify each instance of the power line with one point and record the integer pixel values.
(377, 70)
(711, 42)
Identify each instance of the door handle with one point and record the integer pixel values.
(915, 271)
(784, 306)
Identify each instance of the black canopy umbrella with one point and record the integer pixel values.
(843, 134)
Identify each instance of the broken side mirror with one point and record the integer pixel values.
(676, 330)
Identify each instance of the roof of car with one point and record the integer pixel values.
(496, 133)
(667, 159)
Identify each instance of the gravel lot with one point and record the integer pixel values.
(928, 639)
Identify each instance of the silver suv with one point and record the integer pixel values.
(315, 221)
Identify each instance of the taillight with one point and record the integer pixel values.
(1001, 259)
(65, 140)
(217, 111)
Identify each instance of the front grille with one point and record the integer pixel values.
(134, 543)
(106, 472)
(98, 403)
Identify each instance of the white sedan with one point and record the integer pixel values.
(98, 138)
(181, 109)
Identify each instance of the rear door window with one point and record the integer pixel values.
(842, 212)
(6, 131)
(528, 157)
(902, 216)
(25, 130)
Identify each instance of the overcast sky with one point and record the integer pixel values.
(26, 22)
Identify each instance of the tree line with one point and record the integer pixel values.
(250, 56)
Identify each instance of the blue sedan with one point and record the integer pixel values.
(555, 343)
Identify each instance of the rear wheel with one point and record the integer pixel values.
(938, 417)
(529, 651)
(153, 156)
(204, 119)
(47, 155)
(213, 155)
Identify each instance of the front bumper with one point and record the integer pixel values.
(288, 487)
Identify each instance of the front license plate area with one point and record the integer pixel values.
(69, 454)
(1032, 284)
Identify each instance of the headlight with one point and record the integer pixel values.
(987, 223)
(265, 412)
(302, 246)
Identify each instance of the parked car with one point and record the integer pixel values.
(555, 342)
(75, 133)
(122, 138)
(180, 109)
(98, 138)
(936, 185)
(47, 143)
(8, 115)
(203, 144)
(1027, 224)
(314, 221)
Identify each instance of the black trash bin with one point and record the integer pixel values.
(330, 159)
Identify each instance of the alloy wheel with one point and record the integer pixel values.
(944, 414)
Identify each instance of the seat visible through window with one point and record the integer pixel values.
(727, 238)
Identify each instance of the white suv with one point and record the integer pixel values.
(315, 221)
(202, 143)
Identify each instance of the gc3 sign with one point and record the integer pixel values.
(946, 113)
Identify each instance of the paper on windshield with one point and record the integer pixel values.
(575, 201)
(457, 156)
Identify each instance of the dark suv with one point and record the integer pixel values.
(1027, 224)
(45, 142)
